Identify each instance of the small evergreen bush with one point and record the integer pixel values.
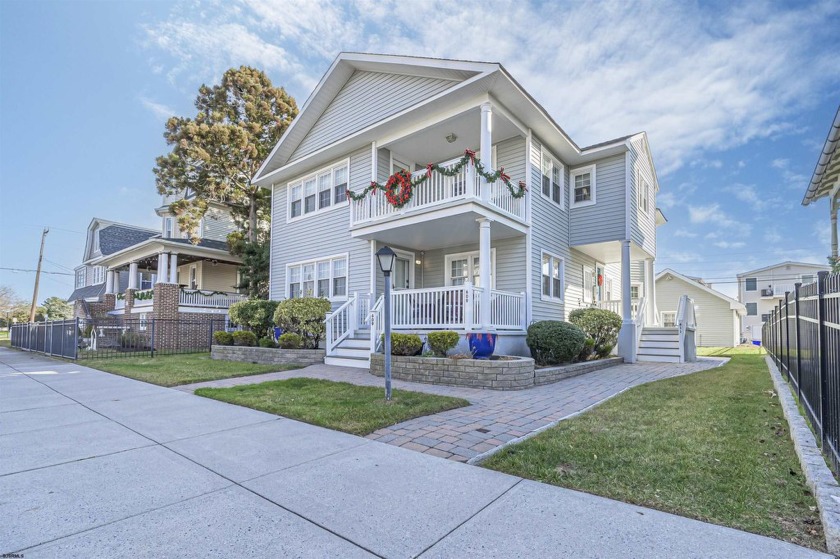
(244, 338)
(220, 337)
(267, 342)
(405, 344)
(600, 325)
(290, 340)
(303, 316)
(441, 342)
(256, 315)
(553, 342)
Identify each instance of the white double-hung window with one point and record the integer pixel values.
(643, 194)
(325, 277)
(552, 178)
(80, 278)
(319, 191)
(582, 192)
(553, 271)
(98, 275)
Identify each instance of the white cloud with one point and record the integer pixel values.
(681, 257)
(697, 79)
(728, 244)
(710, 214)
(666, 200)
(780, 163)
(160, 110)
(684, 233)
(772, 236)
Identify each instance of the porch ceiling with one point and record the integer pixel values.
(431, 231)
(146, 254)
(430, 145)
(610, 252)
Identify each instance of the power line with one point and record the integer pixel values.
(59, 265)
(35, 271)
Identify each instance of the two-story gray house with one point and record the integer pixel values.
(472, 254)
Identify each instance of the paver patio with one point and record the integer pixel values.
(495, 417)
(95, 465)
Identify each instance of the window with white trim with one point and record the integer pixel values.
(98, 274)
(552, 178)
(750, 284)
(669, 319)
(636, 290)
(326, 277)
(582, 192)
(80, 278)
(588, 284)
(319, 191)
(752, 309)
(466, 266)
(643, 191)
(96, 240)
(553, 273)
(167, 227)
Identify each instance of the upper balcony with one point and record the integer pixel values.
(776, 291)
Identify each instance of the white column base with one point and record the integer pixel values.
(627, 342)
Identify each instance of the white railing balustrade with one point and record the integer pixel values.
(687, 324)
(363, 302)
(614, 305)
(455, 307)
(340, 323)
(641, 318)
(213, 299)
(507, 310)
(375, 322)
(119, 304)
(439, 189)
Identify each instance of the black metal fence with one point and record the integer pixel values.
(117, 337)
(802, 335)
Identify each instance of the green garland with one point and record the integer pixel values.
(202, 293)
(399, 188)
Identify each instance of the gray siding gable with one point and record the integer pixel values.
(365, 99)
(605, 219)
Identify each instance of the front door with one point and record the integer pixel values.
(401, 278)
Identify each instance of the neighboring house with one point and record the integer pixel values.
(825, 182)
(761, 290)
(718, 316)
(122, 266)
(470, 254)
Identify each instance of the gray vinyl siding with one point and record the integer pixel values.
(715, 320)
(604, 220)
(383, 165)
(642, 225)
(510, 273)
(365, 99)
(320, 235)
(218, 224)
(549, 233)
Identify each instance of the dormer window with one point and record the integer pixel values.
(167, 227)
(96, 240)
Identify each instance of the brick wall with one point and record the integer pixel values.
(268, 355)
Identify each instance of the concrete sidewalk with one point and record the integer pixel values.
(96, 465)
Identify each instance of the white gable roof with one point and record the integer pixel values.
(733, 304)
(818, 267)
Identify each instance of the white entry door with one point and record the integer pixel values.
(401, 277)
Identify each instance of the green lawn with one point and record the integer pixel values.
(4, 338)
(172, 370)
(728, 351)
(713, 446)
(342, 406)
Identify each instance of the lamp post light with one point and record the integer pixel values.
(386, 258)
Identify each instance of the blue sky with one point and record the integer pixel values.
(737, 101)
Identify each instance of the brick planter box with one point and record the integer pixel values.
(515, 374)
(268, 355)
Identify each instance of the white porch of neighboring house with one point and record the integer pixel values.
(637, 303)
(207, 276)
(453, 234)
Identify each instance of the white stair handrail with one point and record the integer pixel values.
(686, 322)
(641, 315)
(375, 323)
(340, 323)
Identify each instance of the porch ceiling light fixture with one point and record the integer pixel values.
(451, 137)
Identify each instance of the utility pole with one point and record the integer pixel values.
(38, 276)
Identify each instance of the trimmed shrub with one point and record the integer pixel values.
(588, 350)
(267, 342)
(220, 337)
(134, 340)
(303, 316)
(443, 341)
(256, 315)
(405, 344)
(553, 342)
(600, 325)
(290, 340)
(244, 338)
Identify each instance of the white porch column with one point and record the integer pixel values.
(833, 204)
(173, 267)
(627, 335)
(132, 275)
(484, 261)
(486, 146)
(163, 268)
(650, 294)
(109, 282)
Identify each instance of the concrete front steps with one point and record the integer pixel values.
(352, 352)
(660, 345)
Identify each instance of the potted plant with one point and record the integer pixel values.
(482, 344)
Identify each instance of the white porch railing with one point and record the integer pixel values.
(614, 305)
(641, 319)
(507, 310)
(341, 323)
(439, 189)
(199, 298)
(687, 325)
(144, 298)
(119, 304)
(375, 321)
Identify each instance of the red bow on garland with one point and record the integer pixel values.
(429, 168)
(471, 154)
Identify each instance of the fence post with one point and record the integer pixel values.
(779, 354)
(798, 346)
(821, 349)
(76, 339)
(152, 344)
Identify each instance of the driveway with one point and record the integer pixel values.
(96, 465)
(495, 418)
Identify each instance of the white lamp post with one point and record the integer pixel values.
(386, 257)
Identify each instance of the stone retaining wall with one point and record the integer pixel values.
(515, 374)
(268, 355)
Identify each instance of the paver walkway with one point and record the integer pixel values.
(495, 417)
(97, 465)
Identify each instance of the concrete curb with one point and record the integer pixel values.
(479, 458)
(817, 475)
